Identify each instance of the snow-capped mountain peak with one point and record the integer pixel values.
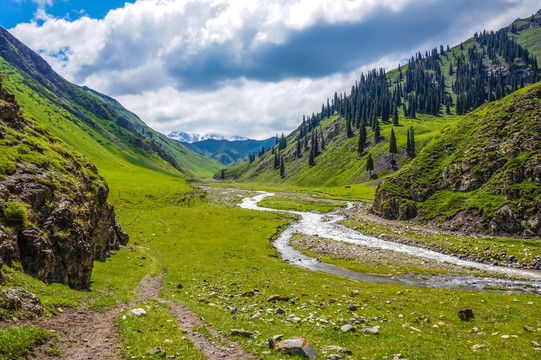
(192, 138)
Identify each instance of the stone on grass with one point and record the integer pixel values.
(248, 293)
(156, 350)
(137, 312)
(334, 357)
(24, 302)
(348, 328)
(536, 345)
(466, 314)
(297, 346)
(371, 330)
(352, 307)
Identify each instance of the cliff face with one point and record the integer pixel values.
(54, 215)
(482, 175)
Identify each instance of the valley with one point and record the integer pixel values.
(402, 221)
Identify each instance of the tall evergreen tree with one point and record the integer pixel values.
(395, 116)
(362, 139)
(369, 164)
(282, 168)
(410, 145)
(377, 134)
(393, 149)
(299, 154)
(222, 175)
(311, 159)
(349, 132)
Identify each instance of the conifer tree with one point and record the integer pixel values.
(370, 164)
(393, 149)
(316, 145)
(299, 154)
(410, 144)
(362, 139)
(322, 139)
(222, 175)
(377, 134)
(311, 161)
(349, 132)
(395, 116)
(305, 143)
(276, 160)
(282, 169)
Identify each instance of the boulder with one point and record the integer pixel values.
(466, 314)
(241, 332)
(297, 346)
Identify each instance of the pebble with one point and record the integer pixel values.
(348, 328)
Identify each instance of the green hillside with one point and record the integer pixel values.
(119, 143)
(482, 174)
(429, 93)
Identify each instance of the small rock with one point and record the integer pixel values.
(167, 341)
(505, 336)
(352, 307)
(371, 330)
(241, 332)
(334, 357)
(249, 293)
(466, 314)
(297, 346)
(536, 345)
(180, 286)
(137, 312)
(323, 303)
(348, 328)
(156, 350)
(527, 328)
(346, 351)
(478, 346)
(280, 311)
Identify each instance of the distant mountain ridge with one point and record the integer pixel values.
(231, 152)
(191, 138)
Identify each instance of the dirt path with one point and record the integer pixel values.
(92, 335)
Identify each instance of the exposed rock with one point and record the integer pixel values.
(249, 293)
(276, 297)
(493, 155)
(352, 307)
(63, 220)
(297, 346)
(466, 314)
(20, 303)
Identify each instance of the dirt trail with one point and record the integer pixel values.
(92, 335)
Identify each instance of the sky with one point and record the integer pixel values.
(233, 67)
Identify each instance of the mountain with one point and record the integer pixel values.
(54, 215)
(92, 123)
(433, 91)
(193, 138)
(483, 174)
(230, 152)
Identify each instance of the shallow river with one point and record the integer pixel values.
(326, 226)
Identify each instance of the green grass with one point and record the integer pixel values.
(141, 334)
(212, 248)
(17, 342)
(301, 203)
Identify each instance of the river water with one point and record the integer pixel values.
(326, 226)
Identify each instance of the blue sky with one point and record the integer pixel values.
(234, 67)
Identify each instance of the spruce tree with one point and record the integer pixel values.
(377, 134)
(222, 175)
(362, 139)
(349, 132)
(369, 164)
(282, 169)
(395, 116)
(410, 144)
(392, 143)
(299, 154)
(311, 161)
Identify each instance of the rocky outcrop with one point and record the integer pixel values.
(483, 175)
(54, 215)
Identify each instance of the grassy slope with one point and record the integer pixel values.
(513, 123)
(340, 164)
(530, 35)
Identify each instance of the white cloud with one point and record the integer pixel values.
(128, 54)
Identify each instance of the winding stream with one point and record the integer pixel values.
(326, 226)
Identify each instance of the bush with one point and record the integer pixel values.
(15, 213)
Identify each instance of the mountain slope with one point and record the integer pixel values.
(229, 152)
(54, 215)
(90, 122)
(430, 92)
(483, 174)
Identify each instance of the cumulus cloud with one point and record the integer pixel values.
(203, 64)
